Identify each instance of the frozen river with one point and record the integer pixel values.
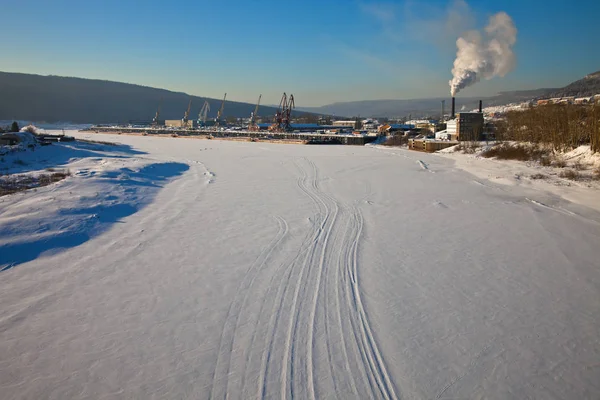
(181, 268)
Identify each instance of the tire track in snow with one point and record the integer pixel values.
(371, 365)
(316, 335)
(288, 367)
(305, 250)
(374, 358)
(230, 326)
(326, 205)
(276, 312)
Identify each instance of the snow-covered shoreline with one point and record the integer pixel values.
(532, 175)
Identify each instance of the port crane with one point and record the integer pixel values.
(220, 112)
(282, 120)
(203, 113)
(278, 119)
(157, 115)
(287, 118)
(185, 118)
(252, 125)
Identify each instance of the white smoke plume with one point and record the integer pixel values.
(484, 56)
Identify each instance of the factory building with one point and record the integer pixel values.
(469, 126)
(178, 123)
(349, 124)
(463, 126)
(395, 128)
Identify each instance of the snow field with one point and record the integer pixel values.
(251, 270)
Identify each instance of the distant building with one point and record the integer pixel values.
(469, 126)
(526, 104)
(392, 128)
(9, 139)
(423, 124)
(442, 135)
(451, 131)
(344, 123)
(370, 124)
(466, 126)
(178, 123)
(583, 100)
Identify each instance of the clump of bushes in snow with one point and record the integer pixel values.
(520, 152)
(468, 147)
(579, 166)
(570, 174)
(538, 176)
(17, 183)
(559, 162)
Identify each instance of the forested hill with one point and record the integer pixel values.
(587, 86)
(54, 98)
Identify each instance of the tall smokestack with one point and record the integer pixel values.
(452, 115)
(443, 110)
(480, 106)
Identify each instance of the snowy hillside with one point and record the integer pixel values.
(183, 268)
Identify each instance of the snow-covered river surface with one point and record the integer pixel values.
(204, 269)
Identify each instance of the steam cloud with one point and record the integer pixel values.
(486, 56)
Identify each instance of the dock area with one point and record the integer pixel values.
(303, 137)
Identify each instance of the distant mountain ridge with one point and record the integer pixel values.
(55, 98)
(587, 86)
(423, 107)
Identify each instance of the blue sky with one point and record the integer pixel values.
(322, 51)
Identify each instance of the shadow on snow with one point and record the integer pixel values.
(137, 188)
(59, 154)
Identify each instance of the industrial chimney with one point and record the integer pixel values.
(453, 115)
(480, 106)
(443, 104)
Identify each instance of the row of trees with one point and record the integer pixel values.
(14, 127)
(563, 126)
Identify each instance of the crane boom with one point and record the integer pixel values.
(157, 115)
(255, 113)
(186, 115)
(203, 113)
(287, 117)
(220, 112)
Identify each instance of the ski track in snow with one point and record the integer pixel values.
(311, 307)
